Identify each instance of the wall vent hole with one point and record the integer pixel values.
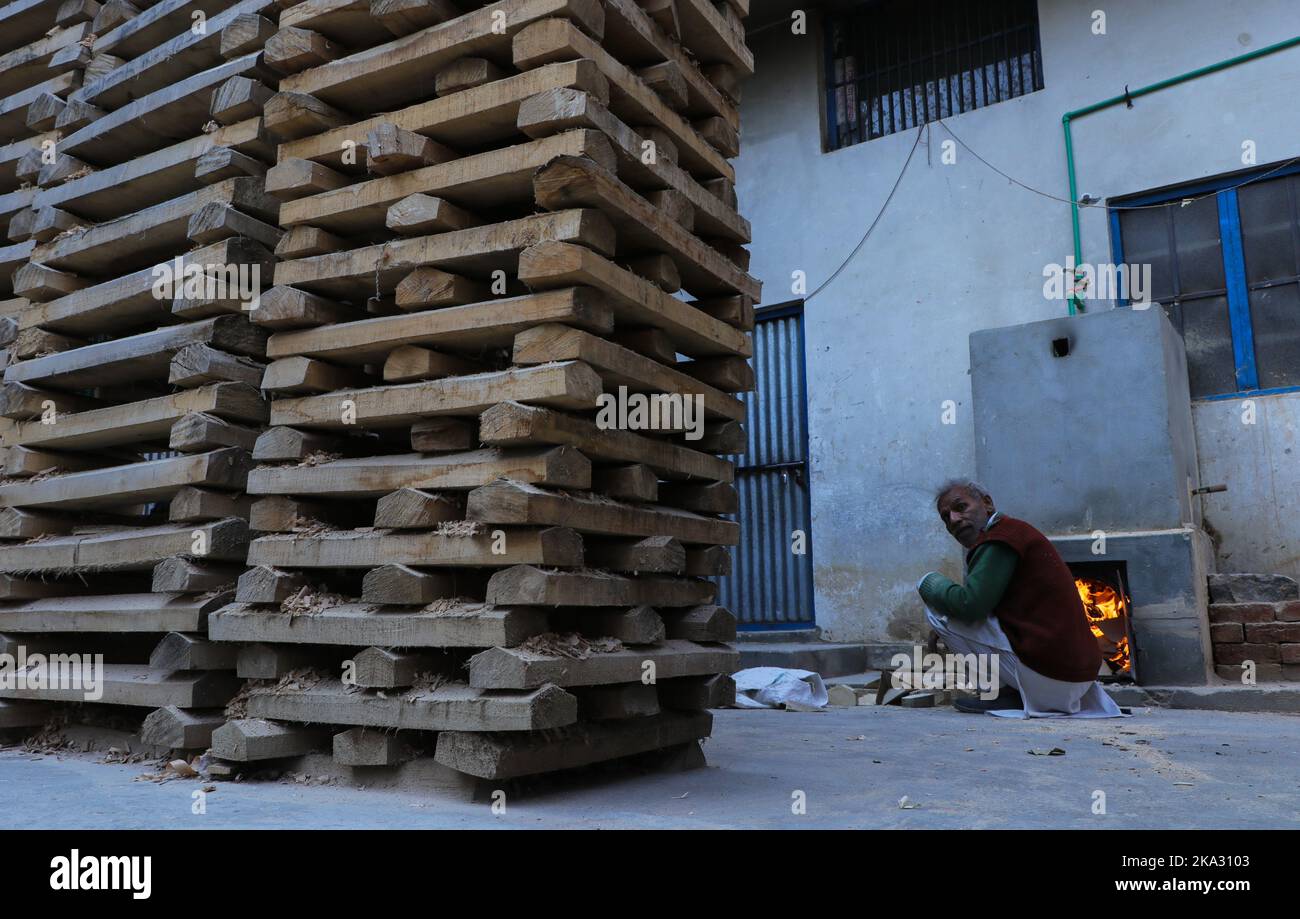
(1060, 347)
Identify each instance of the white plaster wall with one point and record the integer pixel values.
(962, 249)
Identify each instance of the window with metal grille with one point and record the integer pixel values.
(1225, 265)
(896, 64)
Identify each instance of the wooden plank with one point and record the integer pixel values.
(127, 550)
(179, 729)
(359, 747)
(129, 302)
(577, 182)
(517, 668)
(526, 585)
(701, 623)
(631, 99)
(183, 575)
(245, 740)
(39, 60)
(178, 651)
(412, 509)
(137, 357)
(494, 178)
(653, 172)
(653, 555)
(138, 685)
(155, 25)
(347, 22)
(389, 75)
(471, 119)
(633, 38)
(159, 231)
(477, 252)
(500, 756)
(112, 613)
(155, 120)
(707, 35)
(454, 706)
(471, 328)
(458, 625)
(510, 502)
(402, 585)
(138, 422)
(634, 300)
(621, 367)
(167, 64)
(131, 484)
(510, 424)
(568, 385)
(362, 549)
(374, 477)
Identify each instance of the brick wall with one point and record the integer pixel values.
(1266, 633)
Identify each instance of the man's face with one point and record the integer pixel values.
(964, 514)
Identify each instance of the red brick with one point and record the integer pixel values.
(1272, 631)
(1226, 632)
(1289, 611)
(1242, 612)
(1290, 653)
(1237, 654)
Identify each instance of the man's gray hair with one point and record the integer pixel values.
(975, 489)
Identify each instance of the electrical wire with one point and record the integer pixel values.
(1178, 202)
(881, 213)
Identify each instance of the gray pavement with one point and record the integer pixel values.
(1158, 769)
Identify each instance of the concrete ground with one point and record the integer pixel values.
(1160, 768)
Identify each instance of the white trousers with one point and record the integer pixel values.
(1042, 696)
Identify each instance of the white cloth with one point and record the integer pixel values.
(1042, 696)
(780, 687)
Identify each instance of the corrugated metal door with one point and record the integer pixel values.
(770, 586)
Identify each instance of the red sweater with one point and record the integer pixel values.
(1041, 612)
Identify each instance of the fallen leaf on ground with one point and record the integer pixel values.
(1055, 751)
(907, 804)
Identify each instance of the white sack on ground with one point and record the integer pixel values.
(778, 687)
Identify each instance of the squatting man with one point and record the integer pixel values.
(1018, 601)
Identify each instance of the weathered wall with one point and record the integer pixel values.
(962, 249)
(1257, 520)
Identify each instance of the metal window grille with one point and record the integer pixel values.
(896, 64)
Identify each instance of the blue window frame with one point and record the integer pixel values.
(1225, 265)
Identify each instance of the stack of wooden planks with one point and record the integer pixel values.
(495, 215)
(131, 403)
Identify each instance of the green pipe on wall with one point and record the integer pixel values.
(1069, 117)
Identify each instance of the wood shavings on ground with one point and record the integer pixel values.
(571, 645)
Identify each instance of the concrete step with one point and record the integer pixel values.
(1263, 697)
(829, 659)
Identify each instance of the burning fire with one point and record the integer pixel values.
(1106, 609)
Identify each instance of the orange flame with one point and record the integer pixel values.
(1106, 609)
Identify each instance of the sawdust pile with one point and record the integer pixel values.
(299, 680)
(458, 528)
(425, 681)
(316, 457)
(306, 601)
(571, 645)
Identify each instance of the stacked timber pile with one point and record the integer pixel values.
(493, 215)
(131, 388)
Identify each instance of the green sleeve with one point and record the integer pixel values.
(987, 577)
